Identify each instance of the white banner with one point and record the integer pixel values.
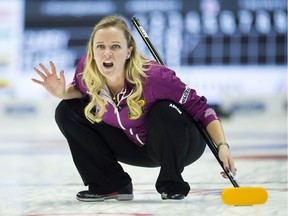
(218, 83)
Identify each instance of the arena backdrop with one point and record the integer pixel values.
(219, 47)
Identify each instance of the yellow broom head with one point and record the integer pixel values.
(244, 196)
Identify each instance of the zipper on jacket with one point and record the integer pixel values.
(118, 117)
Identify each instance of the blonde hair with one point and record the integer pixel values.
(135, 68)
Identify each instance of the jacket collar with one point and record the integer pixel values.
(122, 95)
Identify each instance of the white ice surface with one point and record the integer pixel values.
(38, 177)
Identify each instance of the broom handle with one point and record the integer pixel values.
(147, 41)
(203, 132)
(214, 150)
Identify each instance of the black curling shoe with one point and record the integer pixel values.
(172, 196)
(125, 194)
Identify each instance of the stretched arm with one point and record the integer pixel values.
(54, 84)
(215, 130)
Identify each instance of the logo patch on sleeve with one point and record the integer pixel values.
(184, 96)
(210, 111)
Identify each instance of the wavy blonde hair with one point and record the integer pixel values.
(135, 68)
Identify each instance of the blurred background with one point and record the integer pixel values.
(233, 52)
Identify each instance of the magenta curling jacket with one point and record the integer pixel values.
(161, 84)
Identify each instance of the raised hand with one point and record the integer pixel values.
(53, 83)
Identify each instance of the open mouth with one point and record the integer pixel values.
(108, 64)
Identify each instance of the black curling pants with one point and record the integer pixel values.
(173, 142)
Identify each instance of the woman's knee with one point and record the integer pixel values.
(167, 112)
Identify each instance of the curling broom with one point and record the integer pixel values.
(238, 196)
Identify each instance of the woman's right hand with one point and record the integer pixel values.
(53, 83)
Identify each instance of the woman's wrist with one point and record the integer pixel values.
(219, 145)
